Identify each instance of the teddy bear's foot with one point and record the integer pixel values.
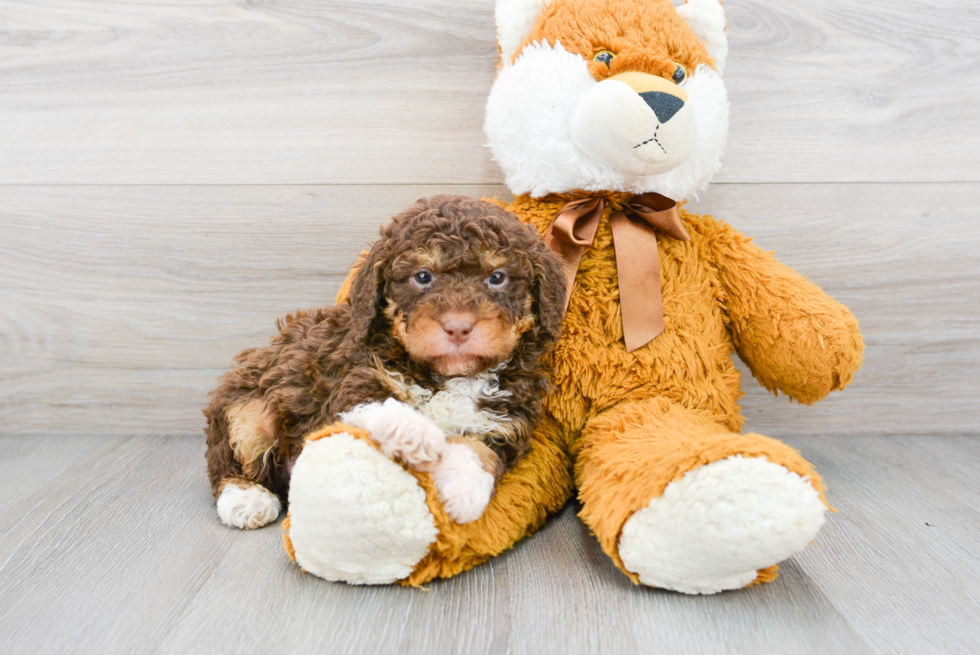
(715, 527)
(247, 505)
(356, 516)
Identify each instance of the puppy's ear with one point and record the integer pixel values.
(367, 291)
(549, 292)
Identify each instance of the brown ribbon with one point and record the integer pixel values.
(637, 262)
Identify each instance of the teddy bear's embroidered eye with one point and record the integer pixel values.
(497, 279)
(604, 56)
(423, 279)
(679, 75)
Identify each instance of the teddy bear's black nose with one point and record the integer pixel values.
(664, 105)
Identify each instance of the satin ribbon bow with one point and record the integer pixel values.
(637, 262)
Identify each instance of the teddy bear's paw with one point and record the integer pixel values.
(247, 507)
(400, 431)
(715, 527)
(355, 515)
(463, 484)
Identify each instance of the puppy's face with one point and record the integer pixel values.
(460, 305)
(458, 283)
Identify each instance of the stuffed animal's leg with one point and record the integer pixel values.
(681, 502)
(358, 516)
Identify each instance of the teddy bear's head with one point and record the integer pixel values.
(609, 95)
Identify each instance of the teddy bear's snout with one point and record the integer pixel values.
(664, 105)
(635, 123)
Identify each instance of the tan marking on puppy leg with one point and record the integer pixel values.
(251, 435)
(238, 481)
(488, 459)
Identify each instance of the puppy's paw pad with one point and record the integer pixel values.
(463, 484)
(400, 431)
(247, 507)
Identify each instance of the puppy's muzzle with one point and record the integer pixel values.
(635, 123)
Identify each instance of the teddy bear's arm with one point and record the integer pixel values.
(793, 336)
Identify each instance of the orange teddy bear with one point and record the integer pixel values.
(604, 114)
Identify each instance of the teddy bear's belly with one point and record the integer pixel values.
(689, 363)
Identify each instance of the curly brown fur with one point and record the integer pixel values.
(326, 361)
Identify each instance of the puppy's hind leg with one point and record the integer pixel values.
(243, 501)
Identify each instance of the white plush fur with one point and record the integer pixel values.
(528, 120)
(706, 18)
(514, 19)
(400, 431)
(712, 529)
(247, 507)
(615, 126)
(464, 485)
(355, 515)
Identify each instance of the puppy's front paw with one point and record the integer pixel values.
(247, 507)
(400, 431)
(463, 484)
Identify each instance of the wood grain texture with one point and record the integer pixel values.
(393, 91)
(120, 306)
(908, 526)
(121, 552)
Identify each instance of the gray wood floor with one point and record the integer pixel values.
(175, 175)
(111, 545)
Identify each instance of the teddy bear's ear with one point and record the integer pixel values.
(706, 18)
(515, 18)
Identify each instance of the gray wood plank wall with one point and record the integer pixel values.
(173, 177)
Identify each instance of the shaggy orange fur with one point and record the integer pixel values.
(646, 37)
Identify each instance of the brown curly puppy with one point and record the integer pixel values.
(437, 354)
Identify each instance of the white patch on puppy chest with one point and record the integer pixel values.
(456, 407)
(247, 507)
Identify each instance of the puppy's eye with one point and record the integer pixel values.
(497, 279)
(604, 56)
(679, 75)
(423, 279)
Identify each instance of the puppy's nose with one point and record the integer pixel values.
(457, 327)
(664, 105)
